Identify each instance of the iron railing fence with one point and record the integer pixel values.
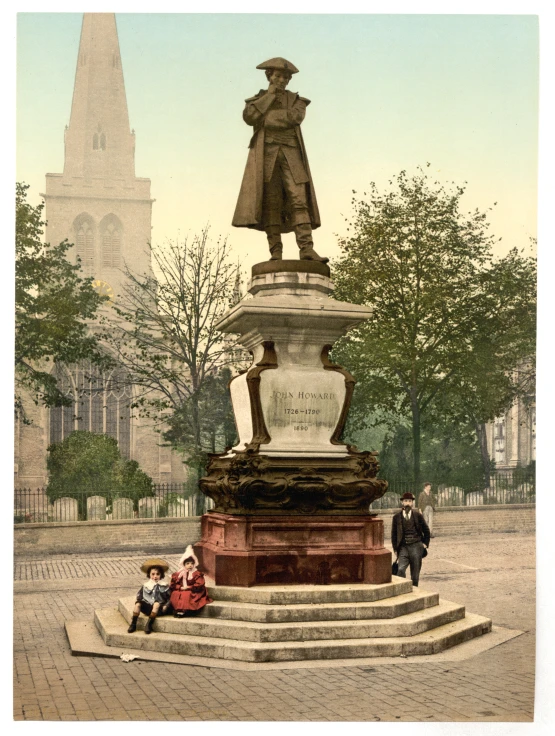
(505, 487)
(175, 499)
(167, 500)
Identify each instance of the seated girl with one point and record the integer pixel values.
(187, 586)
(153, 597)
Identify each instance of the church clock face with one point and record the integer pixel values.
(103, 288)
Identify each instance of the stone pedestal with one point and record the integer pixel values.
(247, 550)
(291, 499)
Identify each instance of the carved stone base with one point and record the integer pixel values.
(261, 550)
(252, 483)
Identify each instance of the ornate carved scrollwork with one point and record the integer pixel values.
(260, 433)
(349, 388)
(248, 483)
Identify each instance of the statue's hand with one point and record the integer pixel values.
(272, 89)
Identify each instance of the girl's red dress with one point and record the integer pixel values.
(188, 592)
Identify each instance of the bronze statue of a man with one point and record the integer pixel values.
(277, 194)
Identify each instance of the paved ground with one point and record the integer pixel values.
(493, 577)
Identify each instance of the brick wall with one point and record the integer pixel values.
(476, 519)
(168, 535)
(78, 537)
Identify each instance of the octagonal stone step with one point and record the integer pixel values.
(113, 629)
(409, 624)
(267, 613)
(286, 595)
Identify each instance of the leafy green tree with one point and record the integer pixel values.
(450, 321)
(450, 456)
(89, 464)
(52, 306)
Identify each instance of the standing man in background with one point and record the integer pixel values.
(410, 538)
(427, 506)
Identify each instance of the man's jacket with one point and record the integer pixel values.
(258, 113)
(397, 529)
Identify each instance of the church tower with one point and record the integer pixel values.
(100, 206)
(98, 203)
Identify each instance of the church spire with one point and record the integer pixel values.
(98, 142)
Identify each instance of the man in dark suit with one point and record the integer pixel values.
(410, 537)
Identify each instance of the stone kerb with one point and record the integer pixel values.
(148, 508)
(122, 508)
(96, 508)
(65, 509)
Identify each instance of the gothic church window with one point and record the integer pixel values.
(84, 243)
(99, 139)
(101, 404)
(111, 242)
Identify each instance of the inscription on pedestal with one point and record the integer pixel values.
(301, 410)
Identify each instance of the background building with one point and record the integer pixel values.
(512, 437)
(98, 204)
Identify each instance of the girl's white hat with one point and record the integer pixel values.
(189, 552)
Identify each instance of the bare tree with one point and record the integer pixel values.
(165, 333)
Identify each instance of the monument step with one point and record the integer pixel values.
(266, 613)
(287, 595)
(113, 629)
(216, 628)
(390, 608)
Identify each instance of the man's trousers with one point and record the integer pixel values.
(428, 515)
(410, 554)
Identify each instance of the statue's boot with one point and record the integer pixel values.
(303, 234)
(273, 232)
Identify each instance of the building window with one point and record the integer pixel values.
(111, 243)
(499, 441)
(84, 242)
(101, 404)
(99, 139)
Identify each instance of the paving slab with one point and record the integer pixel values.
(492, 574)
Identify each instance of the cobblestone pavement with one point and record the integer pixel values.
(487, 575)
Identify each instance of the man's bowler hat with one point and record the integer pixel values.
(407, 496)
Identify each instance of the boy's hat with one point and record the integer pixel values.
(407, 496)
(278, 62)
(154, 562)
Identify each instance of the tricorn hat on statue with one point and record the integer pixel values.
(407, 497)
(154, 562)
(279, 63)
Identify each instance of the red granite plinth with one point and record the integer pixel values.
(260, 550)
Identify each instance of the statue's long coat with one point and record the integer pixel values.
(248, 212)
